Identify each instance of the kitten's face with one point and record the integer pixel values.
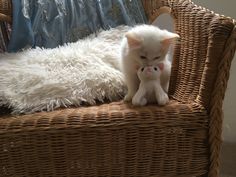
(148, 45)
(149, 54)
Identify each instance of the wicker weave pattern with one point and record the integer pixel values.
(198, 54)
(216, 103)
(182, 139)
(5, 10)
(108, 140)
(202, 59)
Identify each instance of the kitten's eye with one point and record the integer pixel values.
(143, 57)
(156, 58)
(155, 68)
(142, 69)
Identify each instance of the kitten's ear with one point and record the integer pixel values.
(133, 40)
(168, 39)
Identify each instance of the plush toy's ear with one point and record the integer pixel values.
(168, 39)
(133, 40)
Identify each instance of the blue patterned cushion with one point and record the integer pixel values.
(49, 23)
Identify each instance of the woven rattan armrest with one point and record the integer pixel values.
(205, 50)
(202, 61)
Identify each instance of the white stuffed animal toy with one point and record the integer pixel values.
(150, 90)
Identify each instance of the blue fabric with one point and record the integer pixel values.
(49, 23)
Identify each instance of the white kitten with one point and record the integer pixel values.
(145, 45)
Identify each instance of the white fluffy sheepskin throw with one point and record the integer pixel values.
(83, 72)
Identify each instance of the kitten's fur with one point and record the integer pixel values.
(145, 45)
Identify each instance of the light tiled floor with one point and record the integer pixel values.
(228, 159)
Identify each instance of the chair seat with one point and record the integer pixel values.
(115, 139)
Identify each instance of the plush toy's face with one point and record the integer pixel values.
(149, 73)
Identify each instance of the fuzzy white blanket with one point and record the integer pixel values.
(45, 79)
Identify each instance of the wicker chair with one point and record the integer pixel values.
(182, 139)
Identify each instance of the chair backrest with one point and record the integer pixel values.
(202, 53)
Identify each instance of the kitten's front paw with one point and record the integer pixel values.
(163, 99)
(139, 102)
(166, 87)
(128, 98)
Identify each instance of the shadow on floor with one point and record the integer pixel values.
(228, 159)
